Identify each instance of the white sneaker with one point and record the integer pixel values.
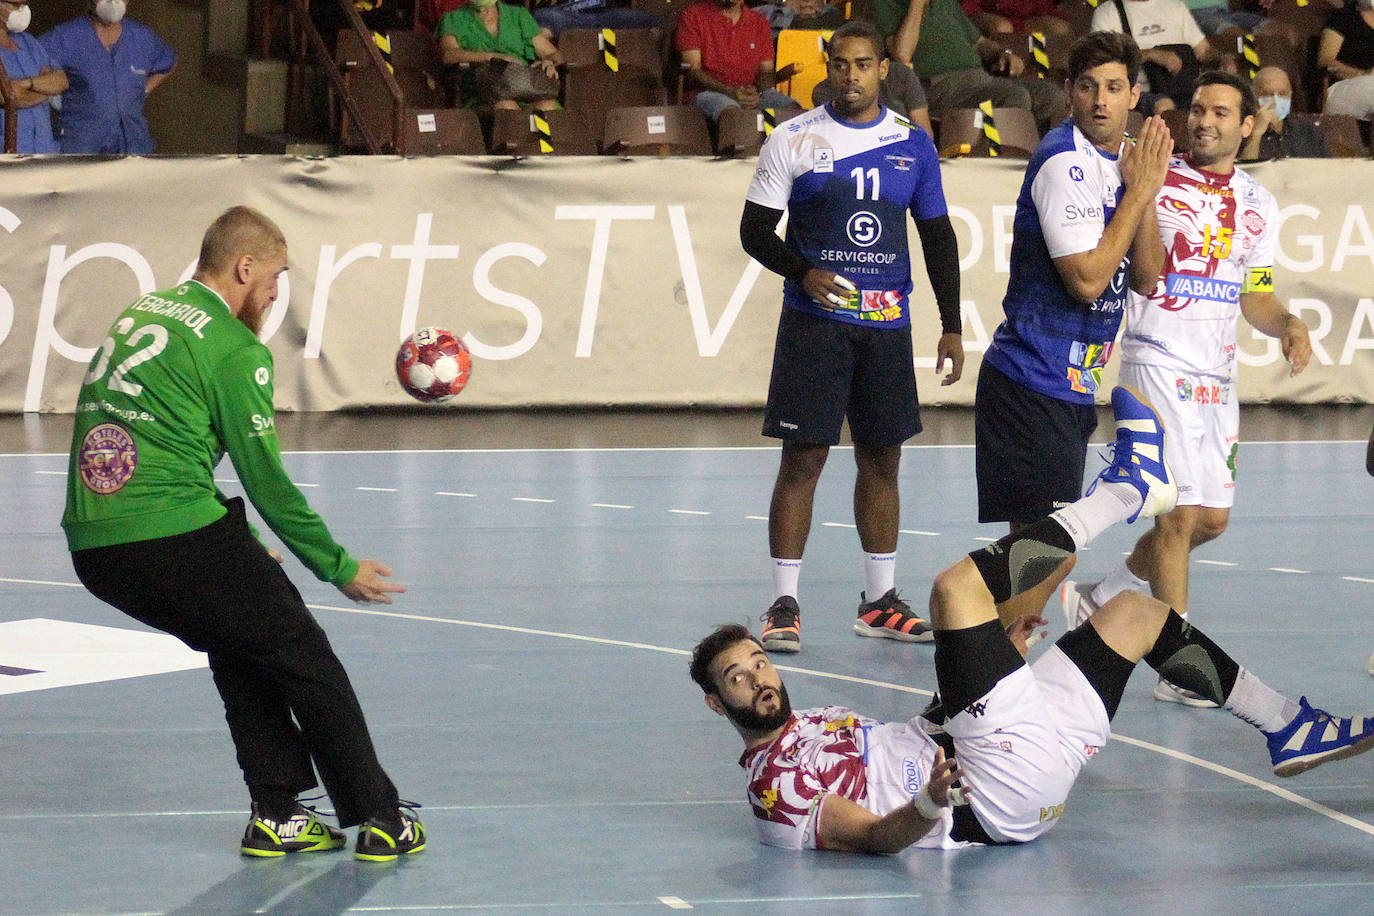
(1168, 693)
(1077, 601)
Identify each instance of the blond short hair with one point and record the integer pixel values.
(238, 231)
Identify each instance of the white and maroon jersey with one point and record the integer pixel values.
(1220, 233)
(836, 751)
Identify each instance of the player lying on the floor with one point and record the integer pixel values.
(1017, 735)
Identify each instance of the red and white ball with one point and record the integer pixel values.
(433, 365)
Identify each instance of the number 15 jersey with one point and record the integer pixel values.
(847, 189)
(1219, 233)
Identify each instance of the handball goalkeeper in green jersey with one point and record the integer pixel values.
(180, 381)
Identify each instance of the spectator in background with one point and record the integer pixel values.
(900, 90)
(1213, 16)
(1171, 44)
(429, 13)
(495, 37)
(1275, 135)
(1005, 17)
(801, 14)
(1346, 52)
(33, 80)
(964, 68)
(727, 49)
(112, 63)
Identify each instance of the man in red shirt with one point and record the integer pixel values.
(728, 50)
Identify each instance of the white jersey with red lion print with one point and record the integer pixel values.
(836, 751)
(1220, 233)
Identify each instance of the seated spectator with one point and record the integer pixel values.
(1346, 53)
(801, 14)
(900, 90)
(1213, 16)
(429, 13)
(495, 37)
(557, 15)
(1006, 17)
(727, 49)
(33, 80)
(963, 67)
(1171, 44)
(1276, 136)
(112, 63)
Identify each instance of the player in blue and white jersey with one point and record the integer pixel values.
(848, 173)
(1084, 232)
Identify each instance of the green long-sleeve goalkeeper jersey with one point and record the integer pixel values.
(179, 382)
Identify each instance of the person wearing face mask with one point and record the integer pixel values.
(1346, 53)
(33, 80)
(1276, 136)
(113, 62)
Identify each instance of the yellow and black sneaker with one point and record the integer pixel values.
(387, 839)
(303, 831)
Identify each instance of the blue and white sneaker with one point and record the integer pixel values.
(1138, 455)
(1314, 737)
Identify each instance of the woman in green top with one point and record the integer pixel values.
(487, 35)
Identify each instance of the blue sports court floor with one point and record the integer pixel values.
(531, 690)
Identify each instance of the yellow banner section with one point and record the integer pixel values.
(575, 281)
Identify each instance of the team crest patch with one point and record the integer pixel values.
(107, 458)
(1253, 221)
(900, 163)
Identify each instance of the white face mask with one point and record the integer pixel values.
(111, 11)
(18, 21)
(1282, 105)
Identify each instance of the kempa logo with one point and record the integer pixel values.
(864, 229)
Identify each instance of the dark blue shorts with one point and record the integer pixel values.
(1029, 449)
(825, 371)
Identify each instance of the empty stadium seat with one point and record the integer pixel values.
(656, 130)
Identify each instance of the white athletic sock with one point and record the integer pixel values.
(880, 573)
(1259, 704)
(1117, 581)
(1109, 503)
(785, 575)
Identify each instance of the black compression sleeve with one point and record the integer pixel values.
(940, 249)
(758, 234)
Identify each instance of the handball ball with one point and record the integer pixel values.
(433, 365)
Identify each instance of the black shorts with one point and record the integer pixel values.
(1029, 449)
(825, 370)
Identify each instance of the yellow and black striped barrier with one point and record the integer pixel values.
(990, 128)
(608, 50)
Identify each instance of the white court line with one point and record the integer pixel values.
(929, 534)
(448, 493)
(757, 518)
(674, 448)
(688, 512)
(529, 499)
(1356, 579)
(53, 473)
(610, 506)
(1284, 569)
(675, 903)
(1217, 562)
(377, 489)
(837, 525)
(1285, 794)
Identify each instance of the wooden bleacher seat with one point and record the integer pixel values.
(656, 130)
(740, 131)
(961, 133)
(442, 132)
(513, 133)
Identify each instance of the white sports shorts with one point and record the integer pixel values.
(1023, 743)
(1201, 417)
